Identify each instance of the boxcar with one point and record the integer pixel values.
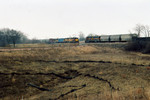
(128, 37)
(115, 38)
(105, 38)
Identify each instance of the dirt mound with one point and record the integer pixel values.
(72, 51)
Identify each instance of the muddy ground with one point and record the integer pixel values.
(83, 74)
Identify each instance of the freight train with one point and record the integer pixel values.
(111, 38)
(64, 40)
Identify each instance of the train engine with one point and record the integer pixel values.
(64, 40)
(90, 39)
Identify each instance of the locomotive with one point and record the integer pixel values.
(64, 40)
(111, 38)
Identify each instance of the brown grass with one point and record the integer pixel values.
(128, 72)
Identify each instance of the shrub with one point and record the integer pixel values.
(134, 46)
(147, 48)
(140, 46)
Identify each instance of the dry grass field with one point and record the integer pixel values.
(74, 73)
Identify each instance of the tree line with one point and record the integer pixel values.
(11, 36)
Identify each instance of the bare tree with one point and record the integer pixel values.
(142, 30)
(15, 36)
(139, 29)
(146, 31)
(2, 39)
(6, 33)
(35, 40)
(81, 36)
(11, 36)
(92, 34)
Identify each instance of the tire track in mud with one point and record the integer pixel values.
(51, 77)
(90, 76)
(83, 86)
(72, 90)
(61, 75)
(68, 61)
(77, 61)
(57, 75)
(68, 75)
(88, 61)
(102, 79)
(80, 61)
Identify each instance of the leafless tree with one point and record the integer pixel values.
(139, 29)
(142, 30)
(92, 34)
(6, 33)
(11, 36)
(146, 31)
(15, 36)
(81, 36)
(2, 39)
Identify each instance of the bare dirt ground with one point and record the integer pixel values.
(74, 72)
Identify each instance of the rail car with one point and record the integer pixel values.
(64, 40)
(111, 38)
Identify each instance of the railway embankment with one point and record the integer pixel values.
(112, 45)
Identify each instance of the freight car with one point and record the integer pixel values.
(64, 40)
(111, 38)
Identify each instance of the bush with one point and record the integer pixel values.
(140, 46)
(147, 48)
(135, 46)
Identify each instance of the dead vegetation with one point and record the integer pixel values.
(140, 46)
(74, 72)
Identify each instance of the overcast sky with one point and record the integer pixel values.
(64, 18)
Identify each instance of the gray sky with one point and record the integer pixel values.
(64, 18)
